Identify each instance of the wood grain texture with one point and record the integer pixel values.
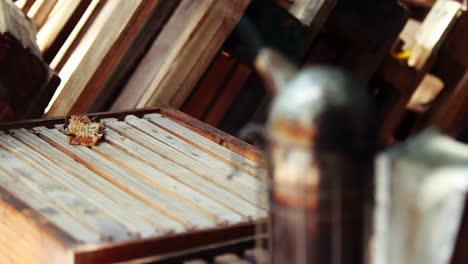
(195, 33)
(183, 193)
(196, 55)
(29, 180)
(190, 150)
(225, 154)
(117, 201)
(133, 42)
(184, 175)
(31, 233)
(182, 213)
(75, 36)
(107, 206)
(86, 57)
(78, 231)
(174, 34)
(216, 135)
(59, 16)
(40, 10)
(135, 206)
(190, 162)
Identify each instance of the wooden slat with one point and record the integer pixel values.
(160, 221)
(135, 224)
(228, 95)
(63, 199)
(97, 41)
(27, 6)
(216, 135)
(59, 16)
(176, 32)
(164, 182)
(209, 86)
(197, 54)
(189, 162)
(40, 11)
(188, 149)
(77, 33)
(123, 56)
(45, 207)
(218, 151)
(189, 217)
(189, 178)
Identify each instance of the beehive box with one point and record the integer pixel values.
(159, 182)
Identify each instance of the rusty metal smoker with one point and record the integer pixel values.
(320, 144)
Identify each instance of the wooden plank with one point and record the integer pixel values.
(171, 39)
(59, 33)
(59, 16)
(196, 55)
(164, 182)
(76, 35)
(134, 224)
(40, 11)
(208, 87)
(191, 218)
(216, 192)
(27, 6)
(52, 121)
(167, 245)
(220, 152)
(45, 207)
(228, 95)
(123, 56)
(97, 41)
(188, 149)
(160, 221)
(207, 47)
(62, 198)
(45, 241)
(189, 162)
(198, 22)
(216, 135)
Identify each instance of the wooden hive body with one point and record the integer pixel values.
(158, 183)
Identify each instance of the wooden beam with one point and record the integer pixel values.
(122, 59)
(181, 53)
(40, 10)
(86, 57)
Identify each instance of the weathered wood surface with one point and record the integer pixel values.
(189, 41)
(103, 29)
(144, 183)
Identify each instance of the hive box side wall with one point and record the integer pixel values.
(26, 237)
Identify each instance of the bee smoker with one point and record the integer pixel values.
(320, 145)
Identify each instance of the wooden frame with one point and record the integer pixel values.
(69, 250)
